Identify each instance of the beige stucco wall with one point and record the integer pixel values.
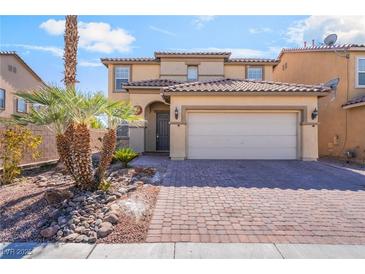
(176, 68)
(235, 71)
(307, 132)
(339, 129)
(22, 80)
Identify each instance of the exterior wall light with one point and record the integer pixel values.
(314, 114)
(176, 113)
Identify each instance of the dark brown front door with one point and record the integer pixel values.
(162, 131)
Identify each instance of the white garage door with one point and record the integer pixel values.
(242, 135)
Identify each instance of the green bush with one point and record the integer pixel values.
(15, 142)
(125, 155)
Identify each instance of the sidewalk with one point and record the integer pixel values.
(179, 251)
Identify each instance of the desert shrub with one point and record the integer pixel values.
(15, 141)
(125, 155)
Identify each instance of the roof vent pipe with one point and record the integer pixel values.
(312, 42)
(305, 44)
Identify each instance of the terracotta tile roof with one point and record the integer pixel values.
(322, 48)
(357, 100)
(153, 83)
(238, 85)
(129, 59)
(251, 60)
(193, 53)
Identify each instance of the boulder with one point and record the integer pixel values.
(111, 218)
(105, 229)
(57, 196)
(49, 232)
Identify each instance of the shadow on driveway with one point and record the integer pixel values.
(280, 174)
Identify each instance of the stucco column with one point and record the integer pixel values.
(136, 138)
(309, 140)
(177, 141)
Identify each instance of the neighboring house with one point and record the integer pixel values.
(342, 113)
(206, 105)
(15, 75)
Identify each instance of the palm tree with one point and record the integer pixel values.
(117, 113)
(70, 53)
(70, 114)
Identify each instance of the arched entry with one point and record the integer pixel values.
(157, 130)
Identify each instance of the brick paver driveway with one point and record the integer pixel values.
(257, 201)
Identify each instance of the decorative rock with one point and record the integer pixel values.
(71, 237)
(131, 188)
(111, 218)
(49, 231)
(110, 199)
(80, 229)
(57, 196)
(105, 229)
(61, 220)
(59, 233)
(81, 238)
(98, 221)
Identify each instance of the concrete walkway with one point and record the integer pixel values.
(179, 251)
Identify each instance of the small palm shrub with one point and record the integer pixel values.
(125, 155)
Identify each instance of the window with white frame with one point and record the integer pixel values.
(360, 79)
(122, 75)
(2, 98)
(192, 73)
(21, 105)
(255, 73)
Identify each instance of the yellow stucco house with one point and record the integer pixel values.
(207, 105)
(342, 112)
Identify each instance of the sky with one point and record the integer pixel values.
(39, 39)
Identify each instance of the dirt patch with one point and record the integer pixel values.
(133, 227)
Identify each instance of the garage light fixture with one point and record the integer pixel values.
(314, 114)
(176, 113)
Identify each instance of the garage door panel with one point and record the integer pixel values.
(244, 153)
(242, 141)
(242, 135)
(241, 129)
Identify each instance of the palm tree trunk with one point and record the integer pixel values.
(70, 53)
(107, 151)
(82, 157)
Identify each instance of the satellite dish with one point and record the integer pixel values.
(330, 40)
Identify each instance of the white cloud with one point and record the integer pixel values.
(164, 31)
(350, 29)
(53, 27)
(259, 30)
(95, 36)
(200, 21)
(58, 52)
(89, 64)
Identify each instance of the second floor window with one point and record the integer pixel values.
(192, 73)
(2, 98)
(360, 72)
(255, 73)
(122, 74)
(21, 105)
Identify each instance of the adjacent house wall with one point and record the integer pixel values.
(22, 80)
(339, 129)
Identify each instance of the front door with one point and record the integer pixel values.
(162, 131)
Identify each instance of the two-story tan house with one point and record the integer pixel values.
(342, 112)
(207, 105)
(15, 75)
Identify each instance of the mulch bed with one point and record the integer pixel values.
(23, 209)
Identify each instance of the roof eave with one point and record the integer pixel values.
(353, 105)
(244, 93)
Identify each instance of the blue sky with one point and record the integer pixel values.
(39, 40)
